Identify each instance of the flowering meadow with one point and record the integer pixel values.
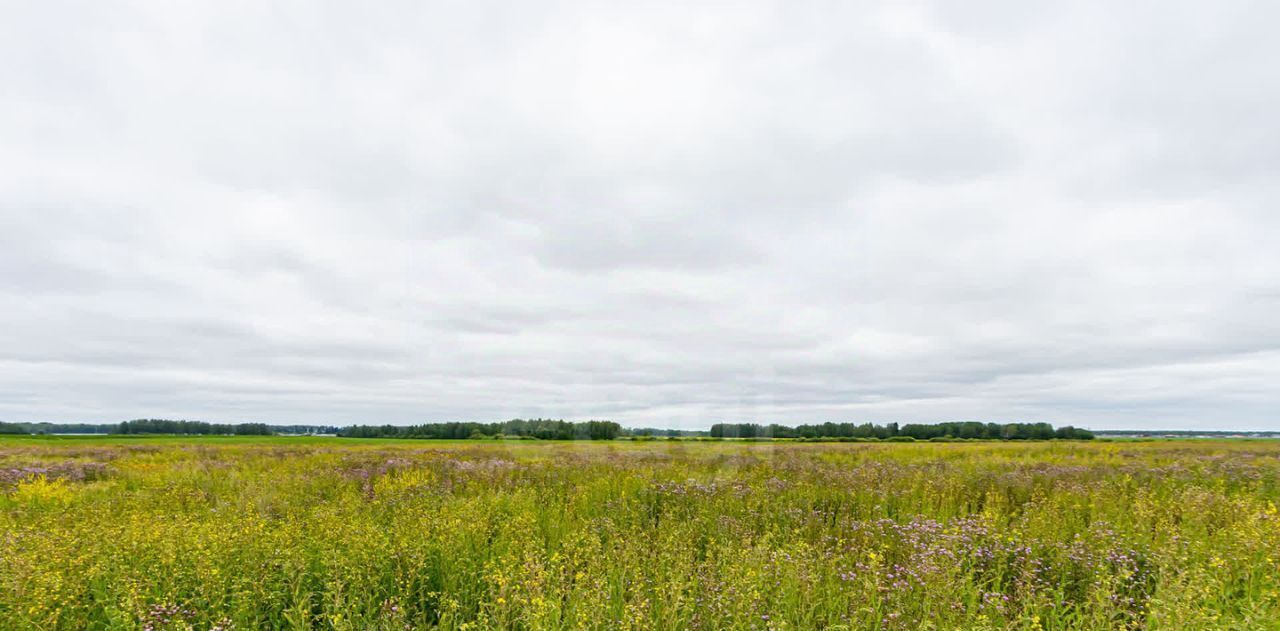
(331, 533)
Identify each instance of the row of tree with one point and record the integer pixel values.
(161, 426)
(59, 428)
(141, 426)
(964, 429)
(544, 429)
(668, 433)
(549, 429)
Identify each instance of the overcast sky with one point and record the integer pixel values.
(658, 213)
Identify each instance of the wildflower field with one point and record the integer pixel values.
(300, 533)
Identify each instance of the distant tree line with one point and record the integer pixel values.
(670, 433)
(58, 428)
(965, 429)
(161, 426)
(549, 429)
(543, 429)
(1186, 433)
(304, 429)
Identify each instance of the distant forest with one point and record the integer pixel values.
(549, 429)
(544, 429)
(58, 428)
(161, 426)
(669, 433)
(967, 429)
(1186, 433)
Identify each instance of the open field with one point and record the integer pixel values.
(246, 533)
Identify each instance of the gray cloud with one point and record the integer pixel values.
(664, 214)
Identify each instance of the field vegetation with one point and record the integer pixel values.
(299, 533)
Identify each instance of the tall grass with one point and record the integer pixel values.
(341, 534)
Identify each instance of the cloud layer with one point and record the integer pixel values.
(661, 214)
